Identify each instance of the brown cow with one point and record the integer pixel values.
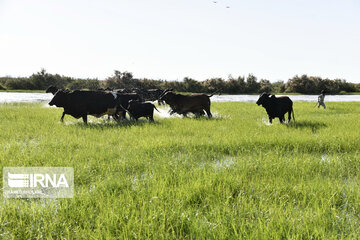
(183, 104)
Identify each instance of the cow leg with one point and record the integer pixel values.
(62, 117)
(84, 119)
(270, 120)
(115, 117)
(119, 115)
(208, 112)
(289, 112)
(199, 114)
(151, 118)
(282, 119)
(123, 115)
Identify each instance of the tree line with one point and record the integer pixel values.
(233, 85)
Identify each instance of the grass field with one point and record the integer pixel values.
(231, 177)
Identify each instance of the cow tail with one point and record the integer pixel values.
(217, 91)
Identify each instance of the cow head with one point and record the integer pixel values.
(264, 97)
(132, 104)
(164, 92)
(52, 89)
(168, 97)
(59, 99)
(135, 97)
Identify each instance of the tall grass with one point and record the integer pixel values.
(233, 176)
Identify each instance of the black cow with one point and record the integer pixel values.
(82, 103)
(124, 96)
(123, 100)
(276, 107)
(138, 109)
(183, 104)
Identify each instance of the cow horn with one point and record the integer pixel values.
(165, 91)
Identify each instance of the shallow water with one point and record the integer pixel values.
(295, 98)
(8, 97)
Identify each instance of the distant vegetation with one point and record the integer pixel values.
(233, 85)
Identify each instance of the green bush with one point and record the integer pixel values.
(232, 85)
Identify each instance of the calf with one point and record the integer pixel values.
(123, 100)
(140, 109)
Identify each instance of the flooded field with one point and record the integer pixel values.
(8, 97)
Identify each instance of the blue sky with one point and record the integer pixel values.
(173, 39)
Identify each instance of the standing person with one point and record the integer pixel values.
(321, 99)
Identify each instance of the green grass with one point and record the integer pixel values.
(231, 177)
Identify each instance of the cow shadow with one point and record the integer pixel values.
(314, 126)
(114, 124)
(215, 117)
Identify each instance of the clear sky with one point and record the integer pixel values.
(173, 39)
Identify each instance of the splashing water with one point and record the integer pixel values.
(46, 105)
(266, 121)
(217, 115)
(164, 112)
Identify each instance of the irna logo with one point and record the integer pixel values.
(38, 182)
(35, 180)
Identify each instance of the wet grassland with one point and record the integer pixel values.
(233, 176)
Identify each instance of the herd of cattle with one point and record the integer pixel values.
(116, 103)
